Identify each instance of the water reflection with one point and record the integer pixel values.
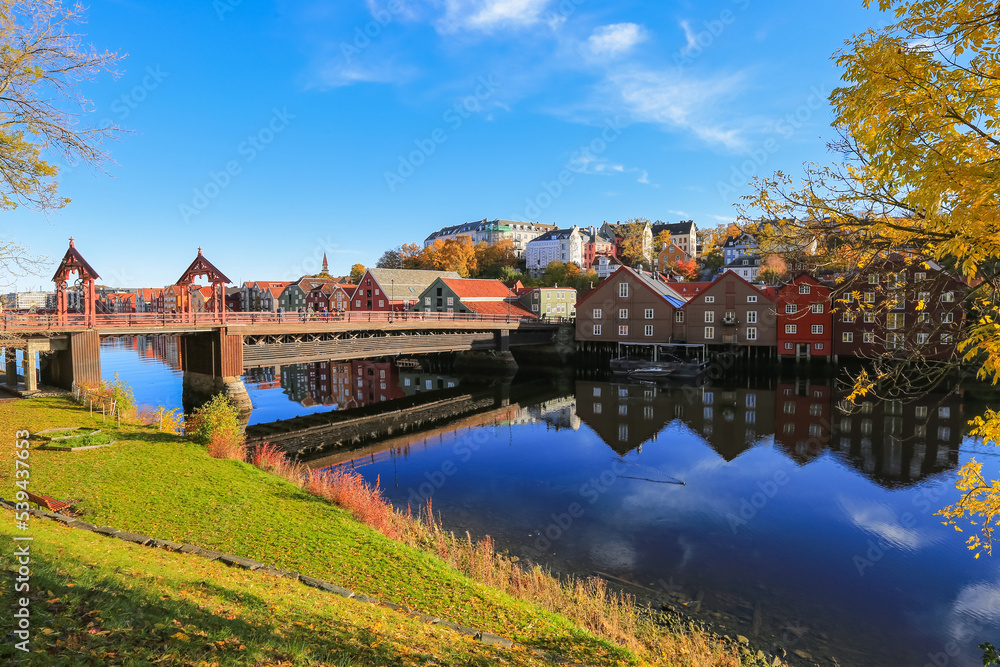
(763, 509)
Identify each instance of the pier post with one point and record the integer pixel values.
(10, 357)
(72, 359)
(30, 373)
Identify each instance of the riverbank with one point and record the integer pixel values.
(166, 487)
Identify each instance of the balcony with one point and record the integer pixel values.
(730, 321)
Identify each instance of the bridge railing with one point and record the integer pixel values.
(10, 321)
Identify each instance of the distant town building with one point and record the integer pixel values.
(458, 295)
(684, 234)
(492, 232)
(29, 300)
(671, 255)
(746, 267)
(558, 245)
(550, 301)
(734, 246)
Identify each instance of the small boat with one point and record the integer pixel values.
(651, 373)
(664, 360)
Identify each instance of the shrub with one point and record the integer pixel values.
(217, 420)
(124, 400)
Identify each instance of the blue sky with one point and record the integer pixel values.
(271, 132)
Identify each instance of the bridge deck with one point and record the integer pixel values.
(265, 323)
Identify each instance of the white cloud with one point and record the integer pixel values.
(644, 179)
(490, 15)
(677, 102)
(882, 522)
(723, 218)
(690, 36)
(337, 73)
(616, 39)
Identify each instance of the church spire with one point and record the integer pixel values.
(326, 267)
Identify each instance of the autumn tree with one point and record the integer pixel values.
(633, 246)
(43, 62)
(688, 269)
(390, 259)
(918, 138)
(491, 259)
(773, 269)
(357, 272)
(662, 240)
(455, 254)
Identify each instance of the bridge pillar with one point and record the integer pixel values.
(213, 364)
(75, 359)
(30, 373)
(503, 340)
(10, 358)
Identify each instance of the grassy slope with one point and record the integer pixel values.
(166, 487)
(103, 602)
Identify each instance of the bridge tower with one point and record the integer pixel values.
(73, 262)
(202, 267)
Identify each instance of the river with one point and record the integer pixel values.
(752, 503)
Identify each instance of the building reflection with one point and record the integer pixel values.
(891, 442)
(343, 385)
(164, 349)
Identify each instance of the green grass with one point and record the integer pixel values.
(99, 601)
(166, 487)
(88, 440)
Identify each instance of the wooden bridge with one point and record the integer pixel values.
(216, 345)
(214, 354)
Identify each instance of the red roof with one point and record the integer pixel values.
(477, 289)
(499, 308)
(689, 289)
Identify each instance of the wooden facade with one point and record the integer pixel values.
(805, 318)
(731, 311)
(630, 307)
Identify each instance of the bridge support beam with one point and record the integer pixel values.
(72, 359)
(213, 364)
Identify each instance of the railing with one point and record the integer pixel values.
(53, 322)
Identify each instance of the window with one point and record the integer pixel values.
(873, 279)
(789, 346)
(649, 313)
(751, 400)
(679, 316)
(847, 337)
(848, 317)
(752, 298)
(649, 329)
(869, 337)
(709, 316)
(925, 297)
(597, 329)
(709, 299)
(597, 392)
(751, 317)
(623, 313)
(894, 341)
(598, 408)
(869, 297)
(534, 307)
(947, 318)
(817, 308)
(947, 339)
(923, 338)
(376, 291)
(357, 303)
(623, 290)
(944, 412)
(869, 318)
(817, 329)
(427, 301)
(895, 321)
(789, 407)
(381, 303)
(623, 330)
(709, 333)
(791, 308)
(948, 297)
(623, 409)
(919, 276)
(598, 313)
(751, 333)
(818, 346)
(791, 328)
(805, 289)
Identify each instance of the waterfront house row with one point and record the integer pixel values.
(896, 306)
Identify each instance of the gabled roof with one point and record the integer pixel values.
(554, 235)
(499, 308)
(737, 263)
(477, 289)
(74, 261)
(202, 267)
(657, 286)
(407, 283)
(769, 292)
(683, 227)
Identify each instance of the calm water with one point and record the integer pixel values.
(758, 507)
